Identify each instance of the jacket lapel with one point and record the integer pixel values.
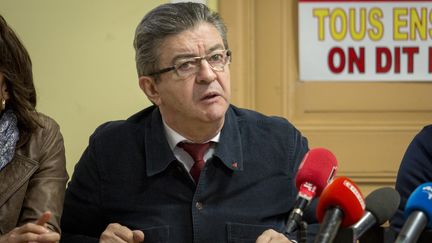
(14, 175)
(229, 149)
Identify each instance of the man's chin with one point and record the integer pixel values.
(216, 113)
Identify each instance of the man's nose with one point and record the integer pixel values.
(205, 73)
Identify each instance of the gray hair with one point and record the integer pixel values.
(166, 20)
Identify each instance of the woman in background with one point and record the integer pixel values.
(32, 158)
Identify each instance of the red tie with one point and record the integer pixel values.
(196, 151)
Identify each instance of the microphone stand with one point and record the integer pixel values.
(302, 233)
(301, 227)
(296, 215)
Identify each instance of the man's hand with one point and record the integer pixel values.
(32, 232)
(116, 233)
(271, 236)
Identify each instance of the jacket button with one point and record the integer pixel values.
(199, 205)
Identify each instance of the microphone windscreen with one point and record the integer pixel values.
(317, 168)
(345, 195)
(421, 200)
(383, 203)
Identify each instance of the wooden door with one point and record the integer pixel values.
(368, 125)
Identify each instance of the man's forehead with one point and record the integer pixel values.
(197, 51)
(196, 41)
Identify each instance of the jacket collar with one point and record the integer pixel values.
(159, 154)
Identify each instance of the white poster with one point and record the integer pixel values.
(364, 40)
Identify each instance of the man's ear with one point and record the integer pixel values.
(148, 85)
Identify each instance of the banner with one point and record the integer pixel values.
(364, 40)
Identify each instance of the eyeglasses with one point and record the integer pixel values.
(189, 66)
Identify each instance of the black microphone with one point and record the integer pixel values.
(315, 171)
(381, 204)
(418, 212)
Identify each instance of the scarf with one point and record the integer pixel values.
(9, 136)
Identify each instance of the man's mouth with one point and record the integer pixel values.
(210, 96)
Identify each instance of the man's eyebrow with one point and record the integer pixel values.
(190, 55)
(216, 47)
(182, 56)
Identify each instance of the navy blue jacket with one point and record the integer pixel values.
(129, 175)
(415, 169)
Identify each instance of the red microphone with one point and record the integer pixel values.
(341, 204)
(315, 172)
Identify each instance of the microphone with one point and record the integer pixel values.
(315, 171)
(377, 212)
(341, 204)
(418, 212)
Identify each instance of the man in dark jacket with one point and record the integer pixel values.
(192, 167)
(415, 169)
